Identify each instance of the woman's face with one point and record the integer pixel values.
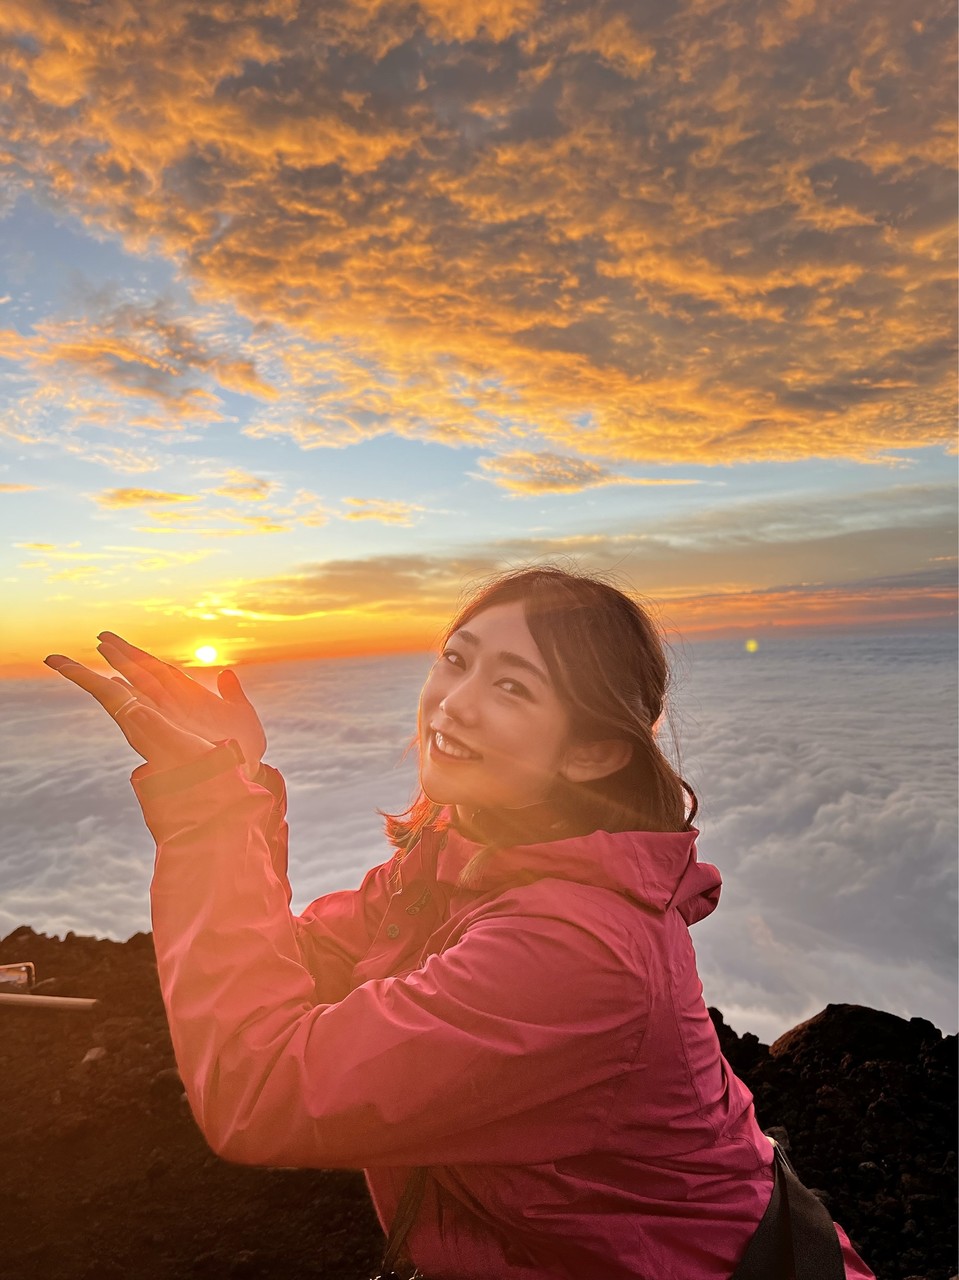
(492, 730)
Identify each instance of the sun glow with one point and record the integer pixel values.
(205, 654)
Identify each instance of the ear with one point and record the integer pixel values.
(589, 761)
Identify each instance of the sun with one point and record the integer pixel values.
(205, 654)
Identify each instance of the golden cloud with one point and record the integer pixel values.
(9, 487)
(77, 573)
(303, 508)
(380, 509)
(258, 523)
(109, 563)
(140, 497)
(692, 232)
(243, 487)
(462, 20)
(421, 587)
(113, 457)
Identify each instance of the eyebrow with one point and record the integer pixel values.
(508, 658)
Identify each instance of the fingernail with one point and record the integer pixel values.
(55, 660)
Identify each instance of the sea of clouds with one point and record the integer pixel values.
(825, 763)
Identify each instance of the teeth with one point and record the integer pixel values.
(448, 748)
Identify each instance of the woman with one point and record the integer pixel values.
(511, 1001)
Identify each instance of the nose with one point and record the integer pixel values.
(461, 703)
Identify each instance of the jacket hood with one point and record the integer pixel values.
(659, 869)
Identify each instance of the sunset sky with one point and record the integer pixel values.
(312, 312)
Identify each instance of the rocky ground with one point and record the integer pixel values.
(104, 1175)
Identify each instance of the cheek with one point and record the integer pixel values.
(534, 748)
(429, 696)
(422, 715)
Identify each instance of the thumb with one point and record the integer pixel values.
(228, 684)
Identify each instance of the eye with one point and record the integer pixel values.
(515, 688)
(452, 657)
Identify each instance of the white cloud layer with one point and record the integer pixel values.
(825, 763)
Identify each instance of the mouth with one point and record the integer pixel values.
(449, 748)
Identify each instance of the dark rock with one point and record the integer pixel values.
(56, 987)
(853, 1033)
(741, 1052)
(166, 1083)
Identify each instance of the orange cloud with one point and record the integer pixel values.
(694, 232)
(885, 557)
(804, 606)
(531, 474)
(467, 19)
(316, 615)
(92, 365)
(17, 488)
(880, 557)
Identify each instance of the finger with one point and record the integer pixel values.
(137, 693)
(152, 735)
(105, 690)
(148, 732)
(228, 684)
(168, 676)
(137, 674)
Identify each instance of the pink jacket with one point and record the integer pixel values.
(540, 1041)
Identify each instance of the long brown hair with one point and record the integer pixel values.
(608, 665)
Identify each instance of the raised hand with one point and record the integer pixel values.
(162, 743)
(185, 702)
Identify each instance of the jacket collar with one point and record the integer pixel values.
(658, 869)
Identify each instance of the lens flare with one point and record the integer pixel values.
(752, 646)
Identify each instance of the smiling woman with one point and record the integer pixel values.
(570, 679)
(487, 739)
(504, 1024)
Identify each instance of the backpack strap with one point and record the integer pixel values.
(796, 1238)
(403, 1219)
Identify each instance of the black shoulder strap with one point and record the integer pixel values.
(403, 1219)
(796, 1238)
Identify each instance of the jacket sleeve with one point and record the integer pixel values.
(335, 931)
(523, 1013)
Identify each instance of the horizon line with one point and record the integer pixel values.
(672, 636)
